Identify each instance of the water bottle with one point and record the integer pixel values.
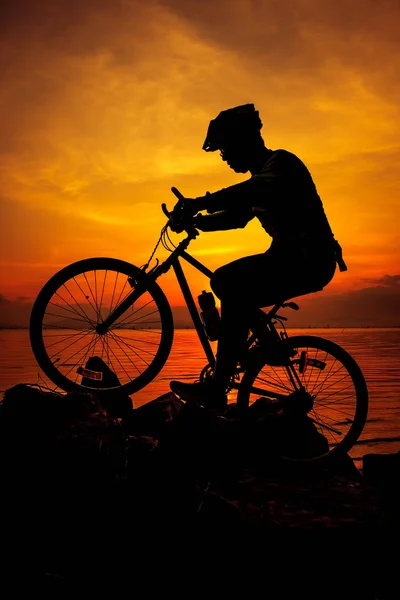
(209, 315)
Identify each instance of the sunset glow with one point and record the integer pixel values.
(105, 106)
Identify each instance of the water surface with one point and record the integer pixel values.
(377, 352)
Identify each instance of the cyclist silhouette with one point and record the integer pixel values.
(302, 255)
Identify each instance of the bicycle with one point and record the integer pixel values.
(113, 309)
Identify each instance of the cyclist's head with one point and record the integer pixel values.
(236, 134)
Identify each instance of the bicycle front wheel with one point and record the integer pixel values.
(328, 383)
(67, 312)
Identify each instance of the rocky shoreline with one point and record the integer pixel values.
(100, 493)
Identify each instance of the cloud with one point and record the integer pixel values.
(375, 306)
(105, 106)
(14, 313)
(297, 33)
(313, 68)
(99, 99)
(388, 281)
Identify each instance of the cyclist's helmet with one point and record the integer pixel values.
(231, 125)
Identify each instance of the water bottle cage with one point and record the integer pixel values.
(209, 315)
(211, 328)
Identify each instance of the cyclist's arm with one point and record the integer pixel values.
(223, 220)
(262, 187)
(232, 197)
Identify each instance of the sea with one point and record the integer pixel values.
(376, 350)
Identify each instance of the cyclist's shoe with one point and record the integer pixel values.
(207, 394)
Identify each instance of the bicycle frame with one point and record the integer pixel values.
(144, 281)
(272, 364)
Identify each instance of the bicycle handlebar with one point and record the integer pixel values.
(180, 197)
(177, 193)
(179, 222)
(164, 209)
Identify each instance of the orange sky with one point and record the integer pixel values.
(105, 106)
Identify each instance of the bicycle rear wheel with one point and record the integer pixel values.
(63, 329)
(332, 396)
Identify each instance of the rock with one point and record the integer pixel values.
(94, 487)
(49, 438)
(97, 374)
(151, 418)
(383, 472)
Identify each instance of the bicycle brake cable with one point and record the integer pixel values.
(167, 240)
(144, 267)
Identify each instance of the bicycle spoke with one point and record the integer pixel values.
(335, 382)
(65, 333)
(269, 382)
(117, 361)
(332, 418)
(84, 358)
(85, 316)
(120, 298)
(324, 401)
(135, 312)
(51, 356)
(133, 346)
(331, 386)
(311, 389)
(70, 318)
(75, 353)
(65, 336)
(94, 306)
(86, 296)
(324, 426)
(103, 288)
(67, 310)
(95, 287)
(113, 293)
(280, 378)
(80, 312)
(127, 355)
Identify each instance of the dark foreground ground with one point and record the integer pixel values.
(103, 499)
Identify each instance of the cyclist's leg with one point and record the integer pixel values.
(235, 285)
(242, 286)
(232, 338)
(256, 281)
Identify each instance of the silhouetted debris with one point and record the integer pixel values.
(383, 471)
(87, 484)
(117, 405)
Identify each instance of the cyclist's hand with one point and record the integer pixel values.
(187, 206)
(175, 226)
(182, 215)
